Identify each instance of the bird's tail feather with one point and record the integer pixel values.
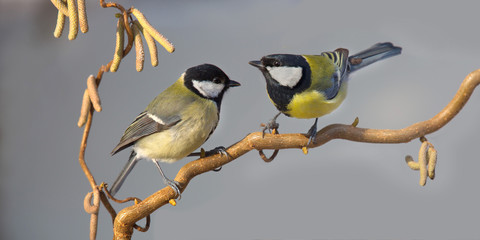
(375, 53)
(124, 173)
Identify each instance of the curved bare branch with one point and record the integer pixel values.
(125, 220)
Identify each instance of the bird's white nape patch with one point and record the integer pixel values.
(207, 88)
(286, 76)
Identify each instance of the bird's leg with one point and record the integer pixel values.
(168, 182)
(312, 132)
(271, 125)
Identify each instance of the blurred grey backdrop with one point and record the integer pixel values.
(342, 190)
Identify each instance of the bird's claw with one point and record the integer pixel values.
(218, 150)
(174, 186)
(271, 125)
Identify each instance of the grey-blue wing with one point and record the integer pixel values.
(340, 58)
(142, 126)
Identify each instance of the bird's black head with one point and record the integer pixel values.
(208, 81)
(285, 75)
(285, 70)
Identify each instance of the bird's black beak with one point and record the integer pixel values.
(257, 64)
(233, 83)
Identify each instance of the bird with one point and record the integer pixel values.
(178, 121)
(311, 86)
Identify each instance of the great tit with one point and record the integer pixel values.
(310, 86)
(176, 122)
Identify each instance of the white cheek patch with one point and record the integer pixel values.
(207, 88)
(286, 76)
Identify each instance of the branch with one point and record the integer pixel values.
(125, 220)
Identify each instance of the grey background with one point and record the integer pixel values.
(342, 190)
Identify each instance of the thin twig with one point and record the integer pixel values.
(275, 152)
(106, 203)
(83, 146)
(264, 157)
(92, 209)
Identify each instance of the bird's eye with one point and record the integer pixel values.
(277, 63)
(217, 80)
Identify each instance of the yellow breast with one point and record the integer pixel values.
(312, 104)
